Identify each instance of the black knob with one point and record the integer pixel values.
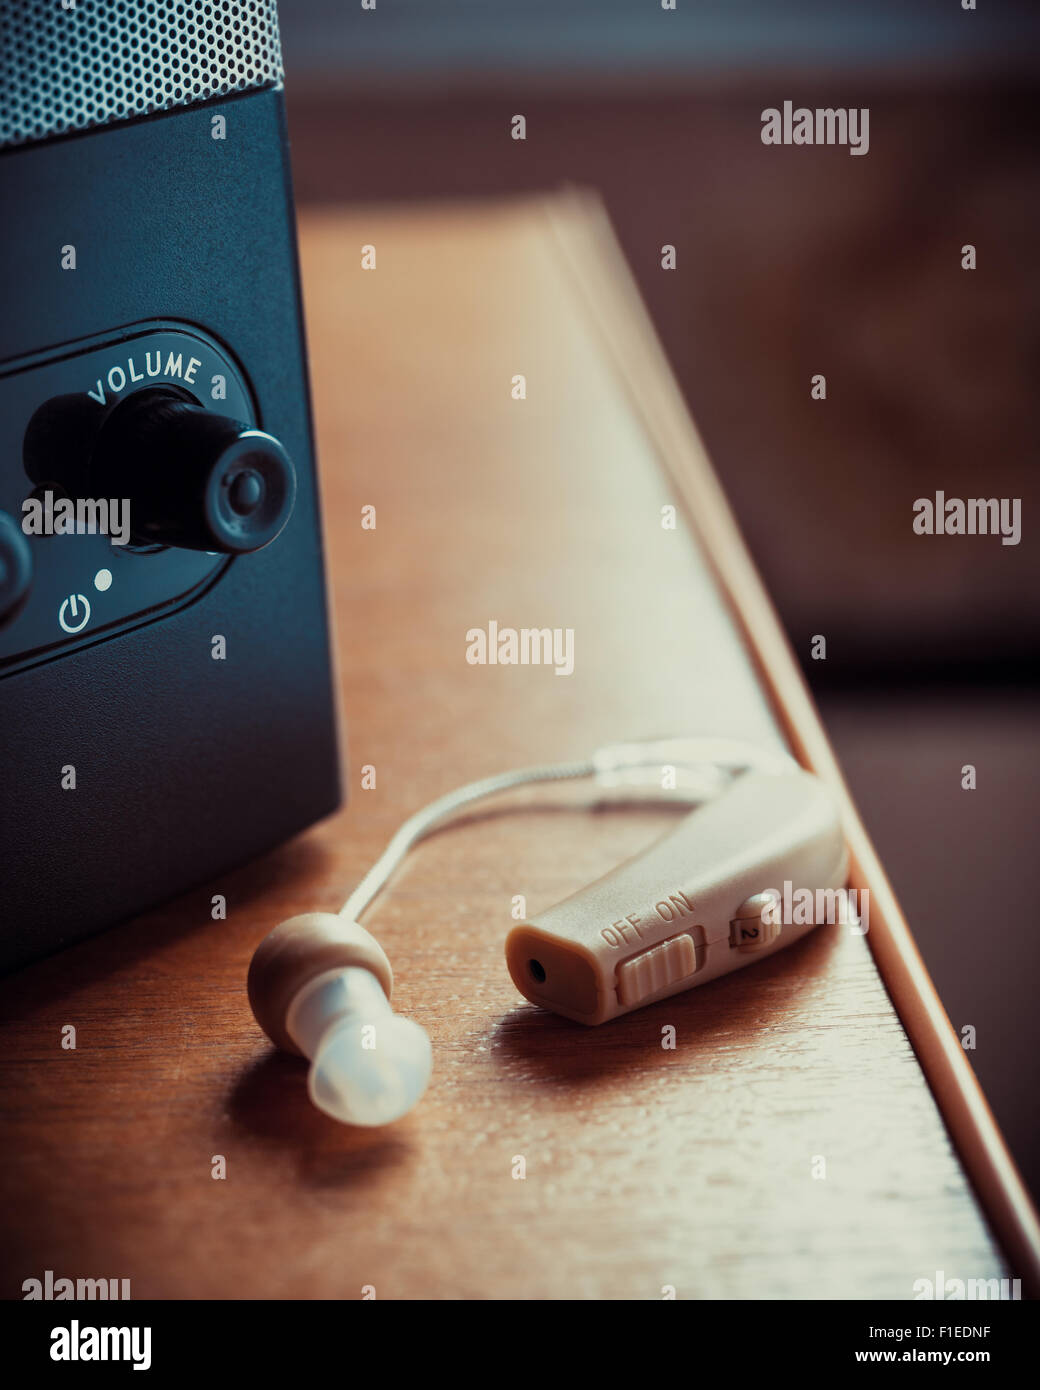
(15, 567)
(193, 478)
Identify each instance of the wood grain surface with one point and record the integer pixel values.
(645, 1167)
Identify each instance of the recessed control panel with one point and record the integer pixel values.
(143, 471)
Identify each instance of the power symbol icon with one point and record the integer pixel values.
(74, 613)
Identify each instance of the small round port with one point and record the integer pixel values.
(537, 970)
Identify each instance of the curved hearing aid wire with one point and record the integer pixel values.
(698, 903)
(716, 760)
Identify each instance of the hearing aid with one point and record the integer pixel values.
(702, 901)
(699, 903)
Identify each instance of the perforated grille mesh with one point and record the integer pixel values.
(101, 61)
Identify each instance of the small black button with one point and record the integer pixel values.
(16, 567)
(246, 492)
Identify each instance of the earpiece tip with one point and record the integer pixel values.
(371, 1074)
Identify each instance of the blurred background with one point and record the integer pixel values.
(790, 264)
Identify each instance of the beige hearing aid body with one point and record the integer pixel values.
(688, 909)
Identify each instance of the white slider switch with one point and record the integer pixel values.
(651, 971)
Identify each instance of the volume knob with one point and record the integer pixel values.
(192, 478)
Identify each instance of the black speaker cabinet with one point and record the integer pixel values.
(166, 707)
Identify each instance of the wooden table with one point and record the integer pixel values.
(645, 1168)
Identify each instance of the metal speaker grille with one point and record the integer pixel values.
(100, 61)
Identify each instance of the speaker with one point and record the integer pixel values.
(166, 699)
